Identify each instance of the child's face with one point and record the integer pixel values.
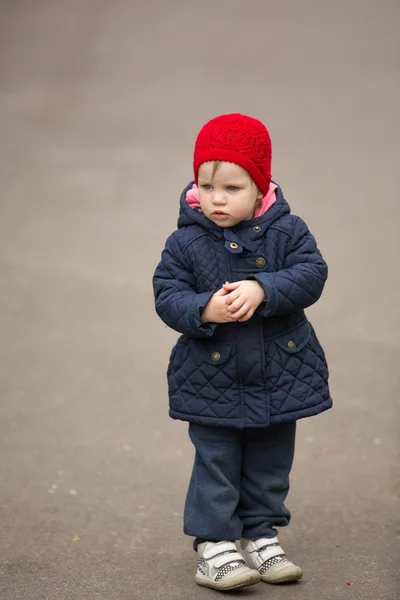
(230, 196)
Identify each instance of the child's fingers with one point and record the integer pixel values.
(221, 292)
(227, 317)
(231, 286)
(236, 305)
(232, 296)
(241, 312)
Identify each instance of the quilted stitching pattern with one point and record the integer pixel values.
(195, 378)
(282, 382)
(307, 366)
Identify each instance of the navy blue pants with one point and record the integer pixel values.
(239, 482)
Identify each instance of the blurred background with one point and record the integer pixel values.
(100, 104)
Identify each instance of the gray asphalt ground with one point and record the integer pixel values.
(100, 103)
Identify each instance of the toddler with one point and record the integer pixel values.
(234, 280)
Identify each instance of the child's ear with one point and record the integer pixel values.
(260, 195)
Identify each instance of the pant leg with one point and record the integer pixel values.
(214, 489)
(267, 461)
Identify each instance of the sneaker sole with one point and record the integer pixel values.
(285, 576)
(238, 581)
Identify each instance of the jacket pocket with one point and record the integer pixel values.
(294, 341)
(211, 353)
(211, 387)
(205, 382)
(195, 360)
(296, 369)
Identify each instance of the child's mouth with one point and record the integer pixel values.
(218, 214)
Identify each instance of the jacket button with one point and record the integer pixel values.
(233, 245)
(260, 262)
(257, 228)
(292, 345)
(215, 356)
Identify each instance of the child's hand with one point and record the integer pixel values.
(244, 298)
(216, 310)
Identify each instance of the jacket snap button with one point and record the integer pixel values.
(233, 245)
(215, 356)
(260, 262)
(292, 345)
(257, 228)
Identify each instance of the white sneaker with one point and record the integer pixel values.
(267, 556)
(220, 566)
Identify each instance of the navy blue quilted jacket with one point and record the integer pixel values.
(269, 369)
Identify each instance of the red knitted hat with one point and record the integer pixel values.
(238, 139)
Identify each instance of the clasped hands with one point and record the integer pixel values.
(234, 302)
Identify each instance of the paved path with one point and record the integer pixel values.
(99, 105)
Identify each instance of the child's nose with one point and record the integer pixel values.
(219, 197)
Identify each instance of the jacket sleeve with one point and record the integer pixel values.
(176, 300)
(300, 283)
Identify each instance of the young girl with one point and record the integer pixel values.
(234, 280)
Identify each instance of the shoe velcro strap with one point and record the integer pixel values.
(229, 557)
(213, 550)
(260, 543)
(270, 552)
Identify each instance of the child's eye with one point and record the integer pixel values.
(206, 186)
(232, 188)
